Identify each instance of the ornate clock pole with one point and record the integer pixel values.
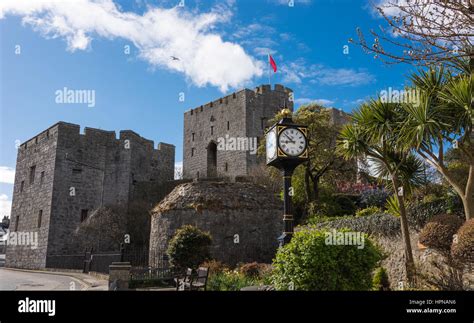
(286, 148)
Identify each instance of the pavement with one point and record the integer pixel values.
(22, 279)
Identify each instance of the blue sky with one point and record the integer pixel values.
(221, 46)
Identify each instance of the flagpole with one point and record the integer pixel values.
(269, 72)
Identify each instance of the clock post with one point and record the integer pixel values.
(286, 148)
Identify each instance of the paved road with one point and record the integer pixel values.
(19, 280)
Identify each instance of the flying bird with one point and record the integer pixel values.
(174, 58)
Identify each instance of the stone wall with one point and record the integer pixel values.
(228, 211)
(242, 114)
(82, 172)
(31, 198)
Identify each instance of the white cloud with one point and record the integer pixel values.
(5, 206)
(264, 51)
(324, 102)
(7, 175)
(299, 70)
(204, 57)
(296, 2)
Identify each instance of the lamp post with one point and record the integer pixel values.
(286, 148)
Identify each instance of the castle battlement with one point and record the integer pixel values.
(244, 113)
(99, 168)
(91, 135)
(264, 89)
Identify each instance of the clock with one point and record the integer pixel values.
(286, 144)
(292, 141)
(271, 145)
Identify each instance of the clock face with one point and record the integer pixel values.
(292, 141)
(271, 144)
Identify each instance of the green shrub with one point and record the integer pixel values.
(380, 281)
(420, 213)
(338, 205)
(188, 248)
(214, 266)
(378, 224)
(463, 248)
(438, 232)
(376, 197)
(309, 263)
(429, 198)
(371, 210)
(230, 281)
(393, 206)
(254, 269)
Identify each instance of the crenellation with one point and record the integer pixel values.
(236, 117)
(75, 173)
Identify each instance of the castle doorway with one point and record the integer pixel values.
(212, 160)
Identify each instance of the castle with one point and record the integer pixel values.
(241, 116)
(63, 175)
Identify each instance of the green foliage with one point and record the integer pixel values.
(393, 205)
(463, 248)
(254, 270)
(430, 198)
(420, 213)
(189, 247)
(308, 263)
(339, 205)
(377, 197)
(380, 281)
(214, 266)
(229, 281)
(438, 232)
(378, 224)
(368, 211)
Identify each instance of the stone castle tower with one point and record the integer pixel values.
(62, 176)
(238, 118)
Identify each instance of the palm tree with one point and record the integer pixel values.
(372, 135)
(443, 116)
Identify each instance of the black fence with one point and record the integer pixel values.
(99, 261)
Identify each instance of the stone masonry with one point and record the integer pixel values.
(63, 175)
(244, 220)
(243, 114)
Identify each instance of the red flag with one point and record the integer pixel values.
(272, 63)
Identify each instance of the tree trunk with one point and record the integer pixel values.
(468, 204)
(307, 186)
(466, 194)
(316, 188)
(409, 262)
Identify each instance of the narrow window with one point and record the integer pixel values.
(32, 174)
(226, 167)
(197, 174)
(22, 185)
(40, 218)
(228, 125)
(192, 152)
(193, 136)
(42, 178)
(16, 222)
(83, 215)
(212, 130)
